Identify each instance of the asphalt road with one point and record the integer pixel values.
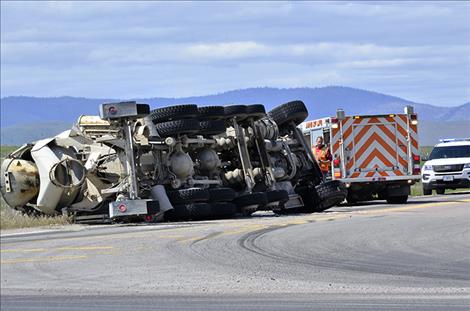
(370, 257)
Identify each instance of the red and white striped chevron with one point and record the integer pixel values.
(375, 146)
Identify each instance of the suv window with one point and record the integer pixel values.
(450, 152)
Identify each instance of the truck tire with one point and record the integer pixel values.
(211, 112)
(212, 127)
(221, 194)
(173, 128)
(286, 113)
(255, 198)
(441, 190)
(223, 210)
(194, 211)
(255, 111)
(186, 196)
(401, 199)
(277, 196)
(173, 113)
(427, 191)
(200, 211)
(330, 193)
(309, 196)
(238, 111)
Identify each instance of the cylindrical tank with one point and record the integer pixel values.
(19, 181)
(181, 165)
(208, 160)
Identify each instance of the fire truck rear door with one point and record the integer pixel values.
(375, 146)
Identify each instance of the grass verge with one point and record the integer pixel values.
(12, 219)
(417, 190)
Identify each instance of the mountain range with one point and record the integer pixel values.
(26, 118)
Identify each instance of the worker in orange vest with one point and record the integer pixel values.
(322, 155)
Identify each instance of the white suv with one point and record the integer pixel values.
(448, 166)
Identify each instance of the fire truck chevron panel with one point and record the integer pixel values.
(375, 146)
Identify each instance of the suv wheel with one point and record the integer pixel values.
(427, 191)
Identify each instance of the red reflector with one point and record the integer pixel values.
(122, 208)
(416, 158)
(336, 162)
(148, 218)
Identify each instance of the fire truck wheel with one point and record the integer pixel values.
(221, 194)
(440, 190)
(173, 128)
(173, 113)
(212, 127)
(223, 210)
(351, 199)
(211, 112)
(190, 195)
(288, 112)
(401, 199)
(427, 191)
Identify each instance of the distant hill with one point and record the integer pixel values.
(22, 133)
(431, 131)
(21, 114)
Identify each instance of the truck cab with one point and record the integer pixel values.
(448, 166)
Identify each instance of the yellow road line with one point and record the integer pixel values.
(411, 207)
(45, 259)
(83, 248)
(31, 250)
(67, 248)
(244, 229)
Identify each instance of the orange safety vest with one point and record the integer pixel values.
(321, 155)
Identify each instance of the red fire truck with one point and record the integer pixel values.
(376, 156)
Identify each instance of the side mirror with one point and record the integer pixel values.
(425, 158)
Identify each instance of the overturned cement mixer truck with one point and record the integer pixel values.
(173, 163)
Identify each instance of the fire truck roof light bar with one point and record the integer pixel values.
(391, 115)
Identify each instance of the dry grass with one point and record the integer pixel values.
(11, 219)
(417, 190)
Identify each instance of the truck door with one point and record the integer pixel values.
(374, 147)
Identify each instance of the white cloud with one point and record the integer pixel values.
(228, 50)
(122, 49)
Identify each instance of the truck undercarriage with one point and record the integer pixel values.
(173, 163)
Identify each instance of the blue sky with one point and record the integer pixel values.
(416, 50)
